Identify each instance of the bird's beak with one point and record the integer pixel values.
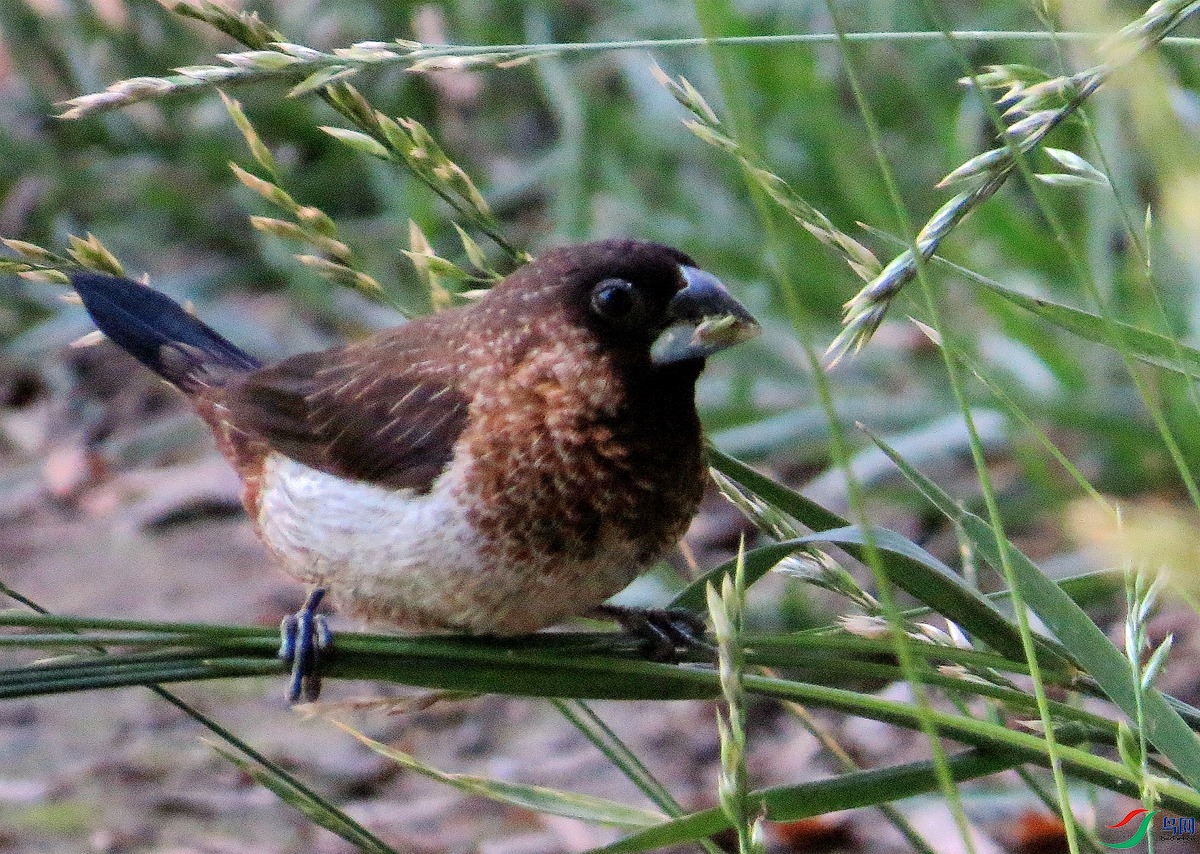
(703, 319)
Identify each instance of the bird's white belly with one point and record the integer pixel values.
(391, 555)
(415, 561)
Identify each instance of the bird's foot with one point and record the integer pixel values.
(664, 632)
(304, 639)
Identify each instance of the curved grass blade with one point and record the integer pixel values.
(791, 803)
(537, 798)
(804, 510)
(313, 808)
(907, 565)
(1075, 761)
(595, 730)
(1144, 345)
(1165, 728)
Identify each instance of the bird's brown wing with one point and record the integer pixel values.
(387, 414)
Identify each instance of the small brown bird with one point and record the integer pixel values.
(491, 469)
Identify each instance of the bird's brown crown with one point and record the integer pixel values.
(617, 290)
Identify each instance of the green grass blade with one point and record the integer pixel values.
(313, 807)
(804, 510)
(117, 675)
(519, 669)
(211, 632)
(907, 565)
(1142, 344)
(1080, 763)
(1075, 630)
(595, 730)
(537, 798)
(342, 824)
(792, 803)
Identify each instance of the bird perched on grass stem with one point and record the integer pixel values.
(491, 469)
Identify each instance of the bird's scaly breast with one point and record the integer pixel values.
(566, 478)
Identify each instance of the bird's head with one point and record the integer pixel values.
(642, 300)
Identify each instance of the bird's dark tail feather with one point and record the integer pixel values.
(159, 333)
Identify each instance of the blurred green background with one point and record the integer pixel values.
(588, 145)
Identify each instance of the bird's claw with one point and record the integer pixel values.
(304, 638)
(664, 632)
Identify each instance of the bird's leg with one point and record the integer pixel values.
(304, 637)
(663, 631)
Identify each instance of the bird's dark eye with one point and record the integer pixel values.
(616, 299)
